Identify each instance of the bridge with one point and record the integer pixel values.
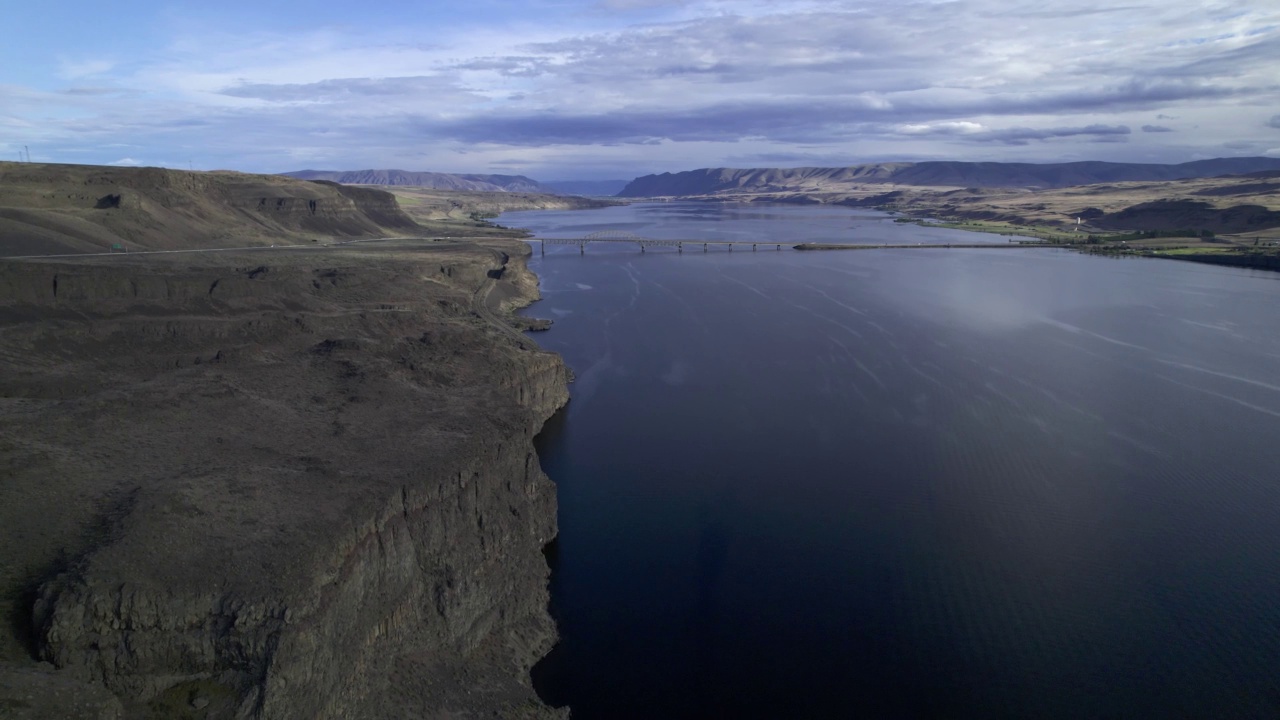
(622, 236)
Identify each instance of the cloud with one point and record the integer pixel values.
(73, 69)
(343, 88)
(1274, 121)
(789, 158)
(1023, 136)
(697, 81)
(509, 66)
(92, 91)
(639, 4)
(941, 128)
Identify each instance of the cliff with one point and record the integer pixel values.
(292, 484)
(46, 208)
(714, 181)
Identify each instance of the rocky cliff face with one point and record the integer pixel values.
(299, 486)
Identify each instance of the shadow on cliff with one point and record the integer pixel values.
(25, 620)
(549, 675)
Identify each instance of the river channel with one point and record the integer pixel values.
(906, 483)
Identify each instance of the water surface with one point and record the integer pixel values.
(907, 483)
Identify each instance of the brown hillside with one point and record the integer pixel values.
(46, 208)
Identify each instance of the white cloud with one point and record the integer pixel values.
(696, 82)
(75, 69)
(959, 127)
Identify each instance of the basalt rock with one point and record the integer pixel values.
(296, 486)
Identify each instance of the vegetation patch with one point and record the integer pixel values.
(996, 227)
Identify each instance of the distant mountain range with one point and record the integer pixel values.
(717, 181)
(589, 188)
(433, 180)
(475, 183)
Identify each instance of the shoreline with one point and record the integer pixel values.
(927, 246)
(1160, 244)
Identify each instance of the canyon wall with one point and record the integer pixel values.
(293, 486)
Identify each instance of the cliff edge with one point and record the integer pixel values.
(273, 484)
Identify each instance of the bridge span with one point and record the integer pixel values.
(622, 236)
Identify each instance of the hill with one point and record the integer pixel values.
(432, 180)
(49, 208)
(716, 181)
(589, 188)
(1233, 204)
(443, 210)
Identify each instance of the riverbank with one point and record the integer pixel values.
(1235, 256)
(918, 246)
(1247, 251)
(285, 483)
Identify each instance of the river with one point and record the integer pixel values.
(906, 483)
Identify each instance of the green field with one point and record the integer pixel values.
(1040, 232)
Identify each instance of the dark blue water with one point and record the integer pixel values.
(908, 483)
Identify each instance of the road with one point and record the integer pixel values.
(304, 246)
(479, 299)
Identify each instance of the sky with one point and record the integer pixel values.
(614, 89)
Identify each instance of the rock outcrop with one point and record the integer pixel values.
(299, 485)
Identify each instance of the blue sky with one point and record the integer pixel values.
(593, 89)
